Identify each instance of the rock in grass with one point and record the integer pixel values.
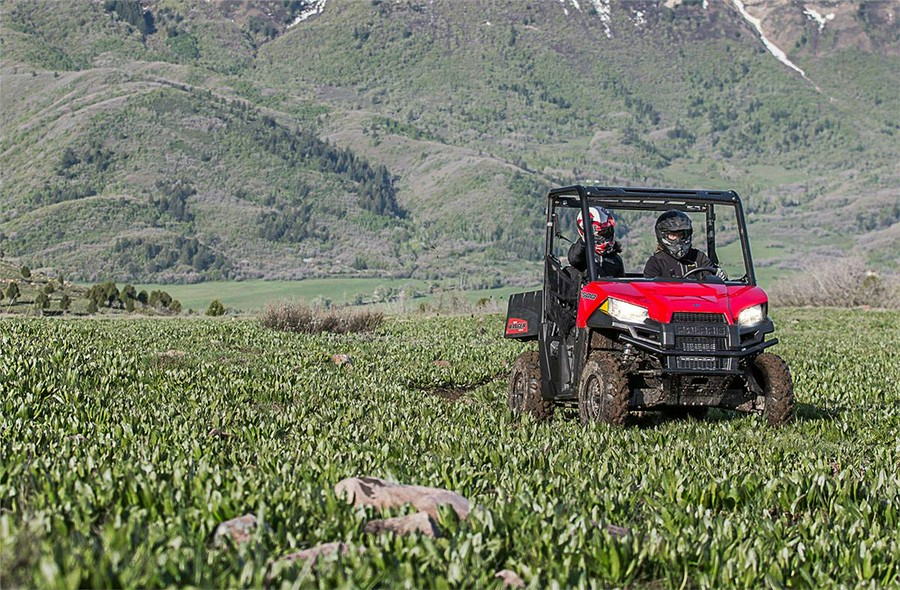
(510, 579)
(617, 532)
(320, 550)
(342, 360)
(372, 491)
(237, 529)
(420, 522)
(308, 557)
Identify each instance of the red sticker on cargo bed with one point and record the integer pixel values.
(516, 326)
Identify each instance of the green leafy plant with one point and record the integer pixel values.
(162, 429)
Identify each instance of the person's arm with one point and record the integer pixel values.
(704, 260)
(576, 256)
(652, 269)
(619, 270)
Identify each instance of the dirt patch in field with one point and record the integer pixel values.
(455, 393)
(452, 395)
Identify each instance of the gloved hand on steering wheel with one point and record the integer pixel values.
(720, 272)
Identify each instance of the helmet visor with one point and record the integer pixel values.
(678, 235)
(605, 234)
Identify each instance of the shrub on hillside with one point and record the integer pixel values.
(846, 283)
(215, 308)
(290, 317)
(41, 301)
(12, 292)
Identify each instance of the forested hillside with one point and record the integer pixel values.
(171, 140)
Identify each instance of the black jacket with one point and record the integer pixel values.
(608, 265)
(662, 264)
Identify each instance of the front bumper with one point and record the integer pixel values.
(692, 347)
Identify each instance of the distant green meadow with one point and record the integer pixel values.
(255, 295)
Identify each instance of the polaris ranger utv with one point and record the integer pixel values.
(615, 345)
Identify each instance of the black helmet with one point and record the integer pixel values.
(678, 223)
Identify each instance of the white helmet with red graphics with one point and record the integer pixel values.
(604, 229)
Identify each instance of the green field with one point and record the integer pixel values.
(110, 477)
(257, 294)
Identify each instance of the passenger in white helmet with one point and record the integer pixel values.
(607, 260)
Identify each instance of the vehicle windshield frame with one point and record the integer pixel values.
(709, 203)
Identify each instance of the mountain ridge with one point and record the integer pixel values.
(390, 86)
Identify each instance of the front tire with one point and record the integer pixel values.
(525, 388)
(773, 375)
(603, 391)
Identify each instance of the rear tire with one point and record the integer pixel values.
(525, 388)
(774, 377)
(603, 391)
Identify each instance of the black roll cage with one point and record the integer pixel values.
(648, 199)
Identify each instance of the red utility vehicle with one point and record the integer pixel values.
(614, 345)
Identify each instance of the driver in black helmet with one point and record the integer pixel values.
(674, 256)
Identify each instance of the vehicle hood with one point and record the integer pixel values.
(662, 299)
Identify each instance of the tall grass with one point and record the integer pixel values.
(292, 317)
(842, 282)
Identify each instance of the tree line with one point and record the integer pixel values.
(107, 294)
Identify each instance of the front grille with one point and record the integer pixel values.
(691, 317)
(702, 363)
(708, 330)
(694, 344)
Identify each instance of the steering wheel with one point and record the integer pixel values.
(708, 269)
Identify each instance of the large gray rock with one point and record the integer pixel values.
(419, 522)
(372, 491)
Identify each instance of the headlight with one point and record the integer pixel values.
(752, 315)
(626, 312)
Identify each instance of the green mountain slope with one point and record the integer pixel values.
(192, 141)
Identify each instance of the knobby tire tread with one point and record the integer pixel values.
(778, 388)
(529, 365)
(614, 384)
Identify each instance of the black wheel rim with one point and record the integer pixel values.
(594, 395)
(517, 395)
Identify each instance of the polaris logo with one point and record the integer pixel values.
(587, 295)
(700, 330)
(516, 326)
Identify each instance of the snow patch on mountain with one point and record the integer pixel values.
(674, 3)
(813, 14)
(638, 18)
(601, 7)
(773, 49)
(315, 7)
(603, 11)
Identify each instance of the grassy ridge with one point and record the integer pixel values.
(109, 478)
(104, 116)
